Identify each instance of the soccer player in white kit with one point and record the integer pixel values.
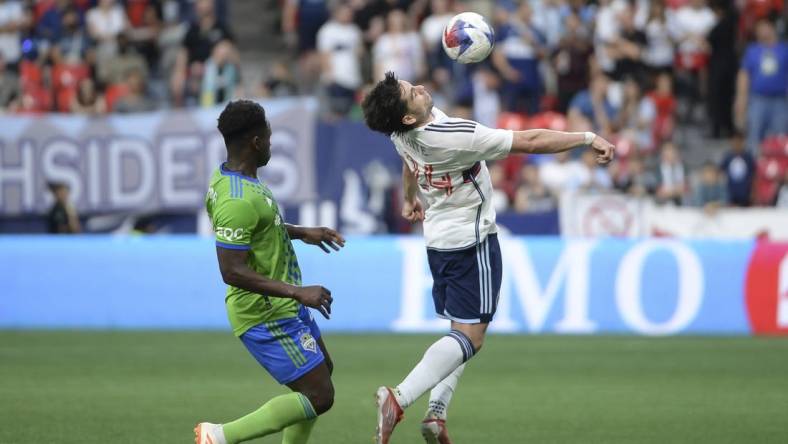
(444, 158)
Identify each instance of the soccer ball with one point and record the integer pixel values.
(468, 38)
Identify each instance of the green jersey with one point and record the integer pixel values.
(245, 216)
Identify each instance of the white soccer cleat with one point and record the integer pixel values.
(207, 433)
(389, 414)
(434, 431)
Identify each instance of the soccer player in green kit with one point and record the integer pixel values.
(265, 301)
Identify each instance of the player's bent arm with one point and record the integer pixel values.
(235, 272)
(544, 141)
(409, 184)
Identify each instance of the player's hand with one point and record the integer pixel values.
(317, 297)
(323, 237)
(603, 150)
(413, 211)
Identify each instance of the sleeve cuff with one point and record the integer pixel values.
(232, 247)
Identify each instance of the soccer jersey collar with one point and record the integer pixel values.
(225, 172)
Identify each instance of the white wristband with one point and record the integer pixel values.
(589, 137)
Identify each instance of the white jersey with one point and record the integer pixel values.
(447, 156)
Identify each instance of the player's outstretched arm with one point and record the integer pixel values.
(235, 272)
(321, 236)
(544, 141)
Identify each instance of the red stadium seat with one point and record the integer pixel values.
(113, 93)
(775, 146)
(548, 120)
(768, 175)
(512, 121)
(30, 74)
(68, 75)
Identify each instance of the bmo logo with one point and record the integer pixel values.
(767, 289)
(229, 234)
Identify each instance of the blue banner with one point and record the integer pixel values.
(550, 285)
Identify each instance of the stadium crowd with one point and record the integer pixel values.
(634, 71)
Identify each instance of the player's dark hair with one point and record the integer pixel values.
(240, 120)
(384, 108)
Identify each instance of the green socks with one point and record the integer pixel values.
(299, 432)
(272, 417)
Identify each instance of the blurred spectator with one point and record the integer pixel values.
(722, 71)
(62, 217)
(72, 45)
(590, 176)
(9, 87)
(606, 31)
(486, 101)
(637, 116)
(341, 45)
(500, 200)
(781, 198)
(105, 22)
(532, 195)
(633, 178)
(583, 9)
(13, 19)
(665, 104)
(278, 83)
(49, 26)
(571, 60)
(201, 38)
(596, 108)
(560, 173)
(221, 80)
(301, 21)
(87, 100)
(144, 33)
(547, 16)
(519, 47)
(125, 60)
(627, 49)
(659, 52)
(432, 31)
(144, 225)
(738, 166)
(762, 86)
(671, 176)
(692, 24)
(399, 49)
(710, 193)
(136, 98)
(170, 36)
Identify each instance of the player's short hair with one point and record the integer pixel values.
(384, 108)
(240, 120)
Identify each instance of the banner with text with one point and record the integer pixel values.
(617, 215)
(383, 283)
(147, 162)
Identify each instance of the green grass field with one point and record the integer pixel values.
(140, 387)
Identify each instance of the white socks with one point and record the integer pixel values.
(440, 396)
(439, 361)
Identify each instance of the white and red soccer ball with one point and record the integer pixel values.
(468, 38)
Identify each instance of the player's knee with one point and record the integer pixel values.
(322, 399)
